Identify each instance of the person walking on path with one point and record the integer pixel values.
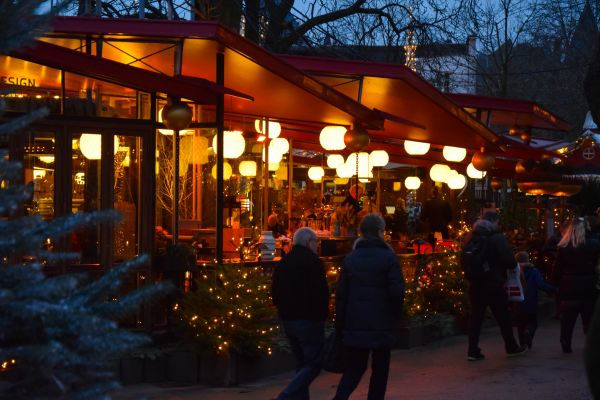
(486, 284)
(301, 296)
(575, 276)
(369, 298)
(527, 311)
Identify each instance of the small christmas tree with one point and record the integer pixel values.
(59, 336)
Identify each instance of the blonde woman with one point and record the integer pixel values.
(575, 276)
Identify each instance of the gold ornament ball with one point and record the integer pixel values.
(356, 139)
(482, 161)
(177, 116)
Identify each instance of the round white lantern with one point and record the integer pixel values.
(416, 148)
(335, 160)
(248, 168)
(439, 172)
(233, 144)
(280, 145)
(456, 181)
(90, 145)
(316, 173)
(379, 158)
(274, 156)
(474, 173)
(332, 138)
(364, 164)
(227, 171)
(412, 182)
(274, 127)
(345, 171)
(454, 154)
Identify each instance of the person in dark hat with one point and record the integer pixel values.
(486, 284)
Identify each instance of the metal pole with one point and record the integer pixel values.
(176, 187)
(290, 185)
(265, 209)
(220, 129)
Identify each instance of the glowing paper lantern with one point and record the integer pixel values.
(227, 171)
(90, 145)
(456, 181)
(280, 145)
(233, 144)
(416, 148)
(316, 173)
(397, 186)
(248, 168)
(332, 138)
(474, 173)
(335, 160)
(412, 182)
(364, 166)
(379, 158)
(274, 128)
(345, 171)
(439, 172)
(274, 156)
(455, 154)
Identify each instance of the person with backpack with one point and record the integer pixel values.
(486, 257)
(527, 311)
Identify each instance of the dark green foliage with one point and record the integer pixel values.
(228, 310)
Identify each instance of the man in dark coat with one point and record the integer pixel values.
(369, 299)
(301, 296)
(487, 289)
(437, 213)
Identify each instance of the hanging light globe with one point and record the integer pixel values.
(280, 145)
(275, 157)
(248, 168)
(379, 158)
(316, 173)
(233, 144)
(90, 145)
(260, 125)
(170, 132)
(412, 182)
(332, 138)
(456, 181)
(345, 171)
(474, 173)
(176, 115)
(227, 171)
(454, 154)
(439, 172)
(416, 148)
(335, 160)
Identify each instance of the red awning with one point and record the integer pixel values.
(510, 112)
(198, 90)
(281, 91)
(396, 90)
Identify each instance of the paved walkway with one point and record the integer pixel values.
(436, 371)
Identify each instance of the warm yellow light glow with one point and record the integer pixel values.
(46, 159)
(316, 173)
(340, 181)
(274, 156)
(170, 132)
(345, 171)
(248, 168)
(90, 145)
(282, 173)
(454, 154)
(456, 181)
(233, 144)
(439, 172)
(379, 158)
(335, 160)
(227, 171)
(416, 148)
(199, 150)
(260, 125)
(474, 173)
(273, 166)
(280, 145)
(332, 138)
(39, 173)
(412, 182)
(397, 186)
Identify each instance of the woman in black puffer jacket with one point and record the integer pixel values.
(575, 276)
(369, 299)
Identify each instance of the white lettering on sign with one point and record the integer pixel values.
(17, 81)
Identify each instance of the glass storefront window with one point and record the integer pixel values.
(38, 168)
(85, 184)
(31, 86)
(127, 169)
(95, 98)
